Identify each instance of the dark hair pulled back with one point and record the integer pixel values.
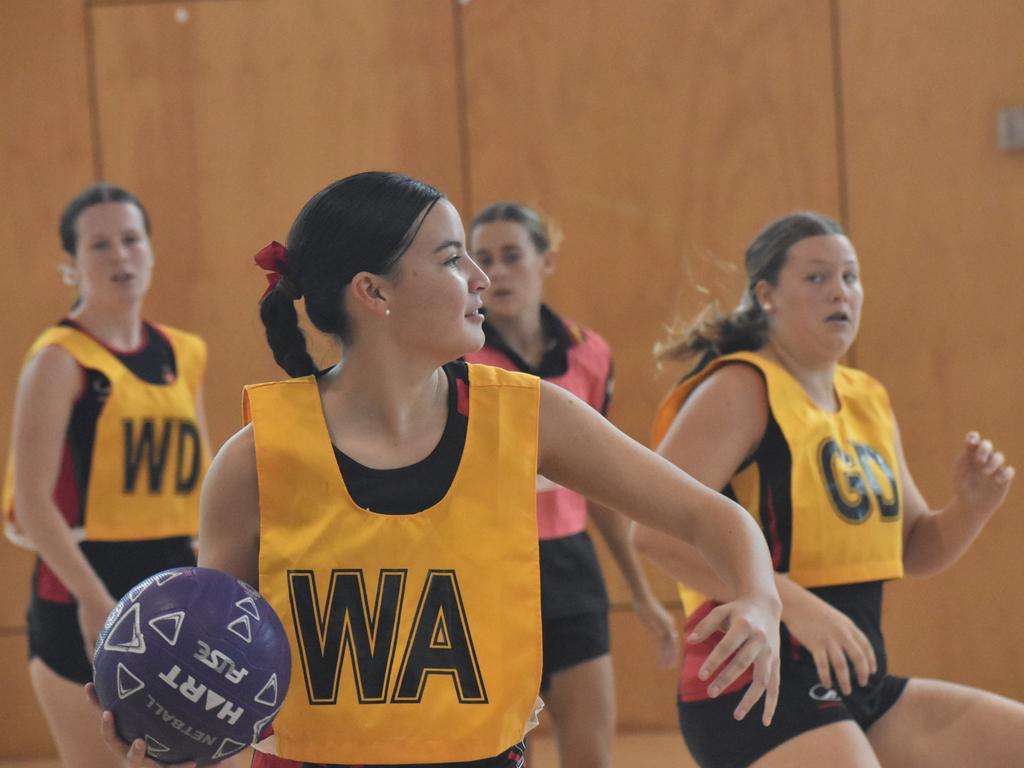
(712, 334)
(362, 223)
(100, 192)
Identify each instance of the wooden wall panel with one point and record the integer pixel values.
(662, 135)
(935, 213)
(47, 158)
(227, 116)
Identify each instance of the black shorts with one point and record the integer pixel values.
(55, 638)
(571, 640)
(717, 740)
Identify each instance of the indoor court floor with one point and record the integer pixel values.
(654, 749)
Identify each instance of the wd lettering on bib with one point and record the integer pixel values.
(147, 445)
(148, 457)
(438, 643)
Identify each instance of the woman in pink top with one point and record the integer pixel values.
(513, 245)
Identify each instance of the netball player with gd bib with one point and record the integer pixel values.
(108, 456)
(386, 506)
(811, 448)
(517, 249)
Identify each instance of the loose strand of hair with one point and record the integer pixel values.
(712, 334)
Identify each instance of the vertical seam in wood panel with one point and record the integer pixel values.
(837, 90)
(94, 105)
(840, 119)
(462, 107)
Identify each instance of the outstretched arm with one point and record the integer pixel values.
(581, 450)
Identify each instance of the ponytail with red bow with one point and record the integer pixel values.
(273, 257)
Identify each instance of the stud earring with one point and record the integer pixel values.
(767, 307)
(387, 312)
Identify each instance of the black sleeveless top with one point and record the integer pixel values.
(411, 489)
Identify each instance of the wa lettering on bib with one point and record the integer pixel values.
(416, 637)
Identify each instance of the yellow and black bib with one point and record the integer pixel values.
(415, 638)
(148, 457)
(829, 499)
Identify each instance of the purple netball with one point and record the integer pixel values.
(195, 662)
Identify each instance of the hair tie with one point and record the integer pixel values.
(273, 257)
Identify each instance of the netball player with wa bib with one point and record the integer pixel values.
(811, 448)
(386, 506)
(108, 454)
(517, 248)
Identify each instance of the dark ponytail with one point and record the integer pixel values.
(712, 334)
(286, 339)
(362, 223)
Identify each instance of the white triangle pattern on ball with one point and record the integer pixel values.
(136, 644)
(138, 589)
(248, 605)
(248, 589)
(227, 747)
(154, 747)
(124, 687)
(268, 695)
(163, 578)
(242, 628)
(170, 634)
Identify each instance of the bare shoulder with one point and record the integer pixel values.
(54, 369)
(737, 388)
(231, 487)
(570, 427)
(720, 424)
(48, 386)
(554, 398)
(236, 459)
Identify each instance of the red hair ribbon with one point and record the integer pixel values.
(272, 257)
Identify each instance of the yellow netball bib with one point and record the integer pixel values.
(415, 638)
(148, 458)
(830, 503)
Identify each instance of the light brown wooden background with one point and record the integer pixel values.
(661, 134)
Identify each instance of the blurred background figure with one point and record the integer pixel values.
(108, 455)
(517, 248)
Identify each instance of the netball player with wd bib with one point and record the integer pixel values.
(513, 244)
(811, 448)
(107, 456)
(386, 506)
